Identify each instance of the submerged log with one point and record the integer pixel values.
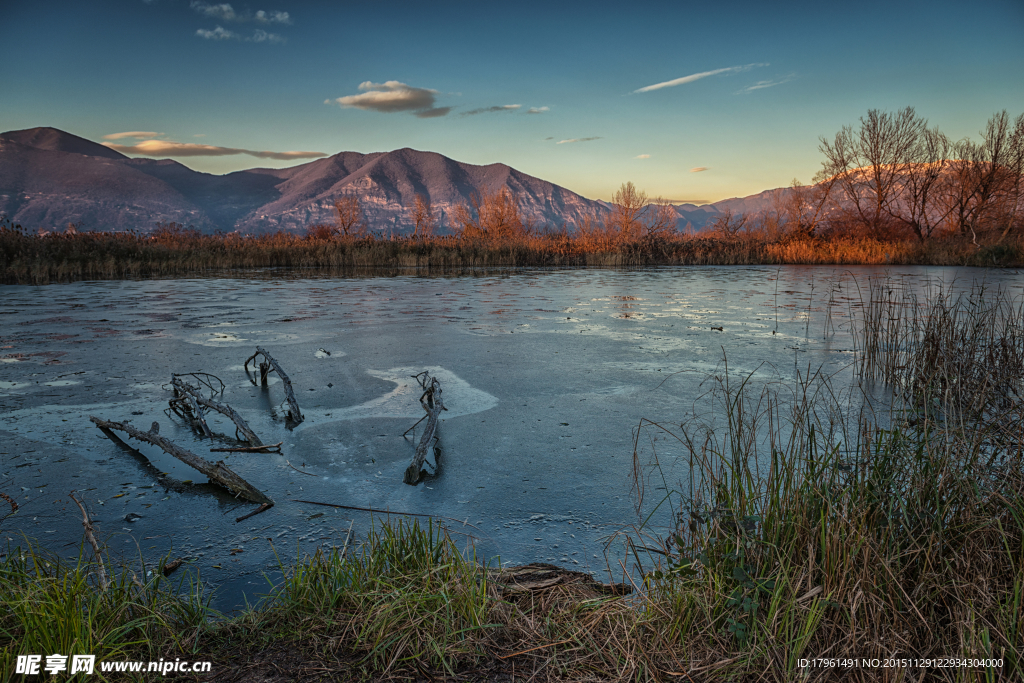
(432, 404)
(216, 471)
(196, 396)
(269, 363)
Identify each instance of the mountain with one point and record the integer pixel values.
(49, 178)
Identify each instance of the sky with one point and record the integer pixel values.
(692, 102)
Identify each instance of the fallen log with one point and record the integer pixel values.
(432, 404)
(216, 471)
(539, 576)
(197, 397)
(269, 363)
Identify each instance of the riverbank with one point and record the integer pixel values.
(63, 257)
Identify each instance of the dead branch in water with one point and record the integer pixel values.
(266, 366)
(185, 390)
(261, 508)
(269, 448)
(217, 471)
(87, 523)
(432, 404)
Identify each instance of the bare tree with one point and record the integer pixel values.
(867, 165)
(662, 218)
(630, 209)
(918, 202)
(494, 216)
(423, 217)
(984, 184)
(729, 224)
(350, 215)
(801, 208)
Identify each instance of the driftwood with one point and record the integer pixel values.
(87, 523)
(216, 471)
(261, 508)
(538, 576)
(268, 448)
(196, 399)
(266, 366)
(431, 402)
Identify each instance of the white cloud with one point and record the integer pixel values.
(258, 36)
(139, 134)
(700, 169)
(760, 85)
(537, 110)
(218, 33)
(261, 36)
(494, 109)
(394, 96)
(571, 140)
(643, 156)
(274, 17)
(696, 77)
(168, 148)
(222, 11)
(225, 12)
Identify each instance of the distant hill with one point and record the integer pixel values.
(49, 178)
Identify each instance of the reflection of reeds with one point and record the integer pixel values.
(173, 250)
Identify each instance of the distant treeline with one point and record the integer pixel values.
(891, 190)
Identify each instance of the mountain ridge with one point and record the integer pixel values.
(50, 178)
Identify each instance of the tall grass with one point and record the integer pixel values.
(174, 250)
(810, 528)
(49, 605)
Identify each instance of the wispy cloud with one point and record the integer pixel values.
(258, 36)
(643, 156)
(492, 110)
(696, 77)
(393, 96)
(433, 113)
(199, 135)
(219, 33)
(137, 134)
(274, 17)
(571, 140)
(168, 148)
(537, 110)
(225, 12)
(261, 36)
(700, 169)
(761, 85)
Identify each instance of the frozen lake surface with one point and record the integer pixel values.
(546, 373)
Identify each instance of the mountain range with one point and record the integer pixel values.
(50, 178)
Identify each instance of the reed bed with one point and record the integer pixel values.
(176, 251)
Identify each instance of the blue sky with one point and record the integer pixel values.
(748, 87)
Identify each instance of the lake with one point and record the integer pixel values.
(545, 373)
